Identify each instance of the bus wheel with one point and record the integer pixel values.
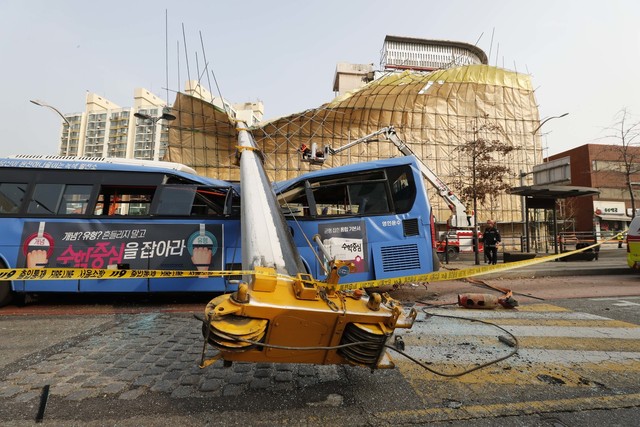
(5, 293)
(453, 254)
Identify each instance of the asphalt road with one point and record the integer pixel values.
(116, 363)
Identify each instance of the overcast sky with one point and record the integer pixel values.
(583, 56)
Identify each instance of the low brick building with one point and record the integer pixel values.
(602, 167)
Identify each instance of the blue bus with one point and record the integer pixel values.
(375, 214)
(131, 214)
(102, 213)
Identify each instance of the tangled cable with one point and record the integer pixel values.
(514, 345)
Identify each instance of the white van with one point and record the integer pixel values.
(633, 244)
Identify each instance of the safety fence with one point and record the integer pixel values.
(450, 250)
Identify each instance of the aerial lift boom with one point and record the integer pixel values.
(460, 217)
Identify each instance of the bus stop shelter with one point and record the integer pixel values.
(545, 197)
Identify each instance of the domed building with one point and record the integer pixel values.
(433, 112)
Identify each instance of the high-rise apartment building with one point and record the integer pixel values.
(351, 76)
(105, 129)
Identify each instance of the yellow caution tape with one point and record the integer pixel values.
(90, 273)
(441, 276)
(438, 276)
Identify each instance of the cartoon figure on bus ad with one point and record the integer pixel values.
(114, 245)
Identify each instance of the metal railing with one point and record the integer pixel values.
(516, 243)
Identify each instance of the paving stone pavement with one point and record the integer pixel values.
(149, 353)
(141, 369)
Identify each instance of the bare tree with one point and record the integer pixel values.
(627, 133)
(487, 176)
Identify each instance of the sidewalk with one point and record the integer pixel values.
(610, 261)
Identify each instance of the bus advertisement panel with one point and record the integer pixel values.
(347, 241)
(139, 246)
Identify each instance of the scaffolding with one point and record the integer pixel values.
(434, 113)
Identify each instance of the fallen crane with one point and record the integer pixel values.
(280, 313)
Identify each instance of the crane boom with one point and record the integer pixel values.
(460, 218)
(267, 241)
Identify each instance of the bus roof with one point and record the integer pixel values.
(355, 167)
(105, 163)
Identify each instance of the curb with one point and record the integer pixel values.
(604, 266)
(605, 271)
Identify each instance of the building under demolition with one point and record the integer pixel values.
(433, 112)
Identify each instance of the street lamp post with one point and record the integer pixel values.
(525, 216)
(476, 244)
(546, 120)
(52, 108)
(154, 120)
(633, 206)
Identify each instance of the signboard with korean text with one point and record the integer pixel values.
(138, 245)
(346, 241)
(610, 211)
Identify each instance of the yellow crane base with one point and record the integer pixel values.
(285, 320)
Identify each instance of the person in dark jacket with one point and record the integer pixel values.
(490, 239)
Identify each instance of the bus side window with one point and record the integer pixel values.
(128, 201)
(190, 200)
(175, 200)
(331, 200)
(294, 202)
(209, 201)
(371, 198)
(59, 199)
(11, 197)
(107, 204)
(46, 199)
(99, 209)
(353, 194)
(75, 200)
(234, 206)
